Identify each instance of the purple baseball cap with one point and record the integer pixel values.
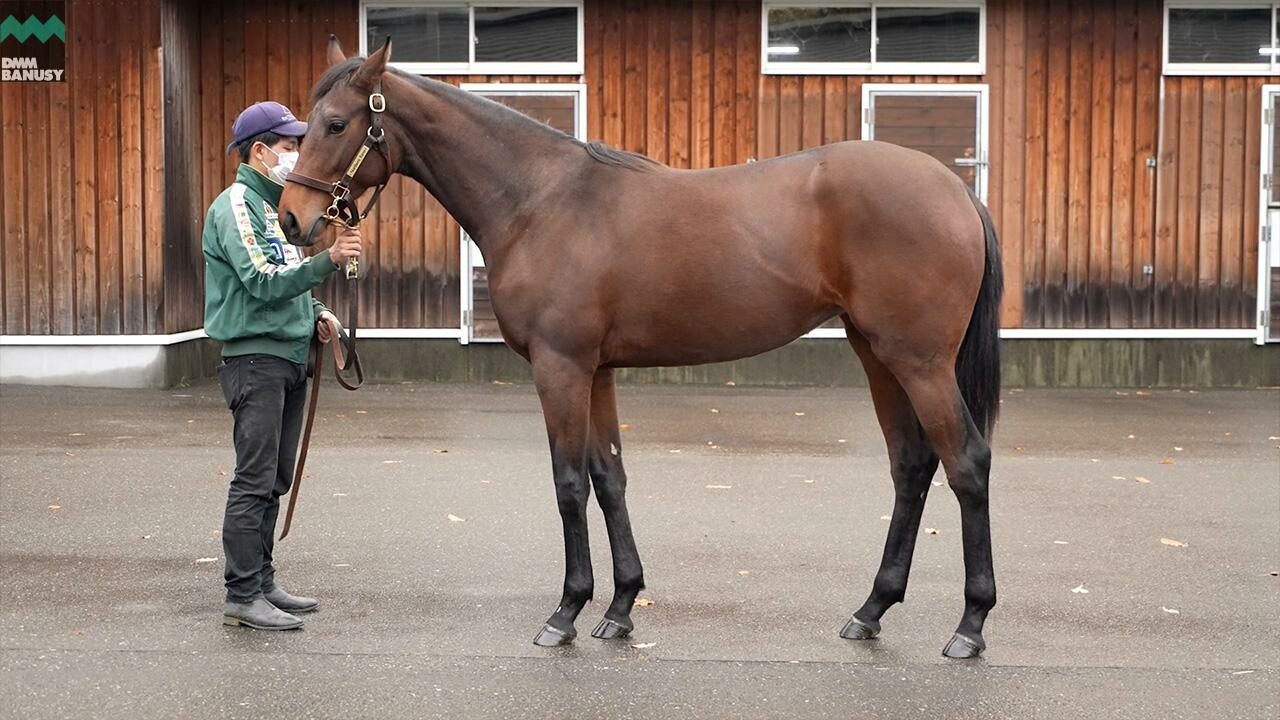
(261, 117)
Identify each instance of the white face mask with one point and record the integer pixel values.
(285, 162)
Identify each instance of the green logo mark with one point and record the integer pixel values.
(41, 30)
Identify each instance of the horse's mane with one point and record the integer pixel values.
(621, 158)
(601, 153)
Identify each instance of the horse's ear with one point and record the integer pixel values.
(334, 54)
(371, 71)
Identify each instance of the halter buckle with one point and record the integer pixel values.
(376, 138)
(377, 102)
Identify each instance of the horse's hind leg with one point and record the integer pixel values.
(564, 387)
(610, 480)
(966, 456)
(912, 464)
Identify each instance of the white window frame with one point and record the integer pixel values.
(471, 67)
(1268, 232)
(1218, 69)
(873, 67)
(470, 256)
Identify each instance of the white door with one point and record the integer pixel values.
(563, 106)
(946, 121)
(1269, 230)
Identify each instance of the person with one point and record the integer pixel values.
(258, 303)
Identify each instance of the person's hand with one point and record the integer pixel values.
(327, 327)
(346, 246)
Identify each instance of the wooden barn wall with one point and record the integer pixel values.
(1092, 236)
(80, 251)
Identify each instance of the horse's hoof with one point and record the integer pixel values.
(963, 647)
(550, 636)
(612, 630)
(857, 629)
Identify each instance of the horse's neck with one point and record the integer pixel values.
(485, 167)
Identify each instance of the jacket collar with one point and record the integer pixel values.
(270, 191)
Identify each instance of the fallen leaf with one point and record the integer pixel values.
(1143, 393)
(1119, 477)
(215, 533)
(1131, 436)
(222, 472)
(1243, 672)
(442, 451)
(842, 440)
(1226, 434)
(1094, 460)
(206, 560)
(1175, 447)
(146, 537)
(1080, 589)
(799, 414)
(643, 602)
(190, 421)
(342, 564)
(1172, 543)
(714, 410)
(1167, 461)
(69, 454)
(362, 412)
(501, 382)
(642, 646)
(55, 507)
(1141, 479)
(1274, 437)
(731, 383)
(82, 435)
(1121, 393)
(810, 481)
(1171, 611)
(624, 426)
(392, 462)
(744, 573)
(339, 494)
(931, 531)
(886, 517)
(455, 518)
(1274, 573)
(1018, 448)
(1061, 542)
(716, 487)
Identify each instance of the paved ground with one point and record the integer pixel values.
(110, 502)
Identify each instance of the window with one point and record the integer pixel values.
(909, 36)
(1228, 38)
(526, 37)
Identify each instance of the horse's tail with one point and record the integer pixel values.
(978, 364)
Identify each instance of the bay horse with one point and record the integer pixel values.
(600, 259)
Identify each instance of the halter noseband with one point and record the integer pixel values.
(342, 210)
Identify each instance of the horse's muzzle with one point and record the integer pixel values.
(293, 230)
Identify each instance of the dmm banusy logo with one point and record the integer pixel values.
(33, 41)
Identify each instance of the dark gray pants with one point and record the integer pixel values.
(266, 395)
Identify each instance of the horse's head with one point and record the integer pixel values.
(345, 151)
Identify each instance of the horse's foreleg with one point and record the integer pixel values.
(610, 480)
(912, 464)
(564, 387)
(967, 458)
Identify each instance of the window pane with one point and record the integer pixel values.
(1219, 36)
(927, 34)
(819, 35)
(558, 111)
(526, 34)
(944, 126)
(436, 34)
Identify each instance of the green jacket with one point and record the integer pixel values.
(257, 287)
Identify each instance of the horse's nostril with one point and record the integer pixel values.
(289, 224)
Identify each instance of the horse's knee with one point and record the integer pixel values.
(571, 492)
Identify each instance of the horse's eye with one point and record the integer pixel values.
(337, 127)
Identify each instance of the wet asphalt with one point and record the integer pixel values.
(1136, 535)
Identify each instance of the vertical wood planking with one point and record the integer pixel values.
(1206, 263)
(80, 76)
(1188, 199)
(611, 97)
(1117, 294)
(1013, 158)
(62, 309)
(1102, 144)
(14, 241)
(1058, 163)
(132, 53)
(679, 111)
(746, 79)
(153, 168)
(1036, 172)
(1166, 238)
(1147, 136)
(633, 73)
(656, 79)
(36, 269)
(700, 109)
(723, 88)
(1077, 241)
(1252, 219)
(1234, 182)
(110, 292)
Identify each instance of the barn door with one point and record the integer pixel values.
(1269, 236)
(563, 107)
(946, 121)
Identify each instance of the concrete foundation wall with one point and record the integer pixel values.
(825, 362)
